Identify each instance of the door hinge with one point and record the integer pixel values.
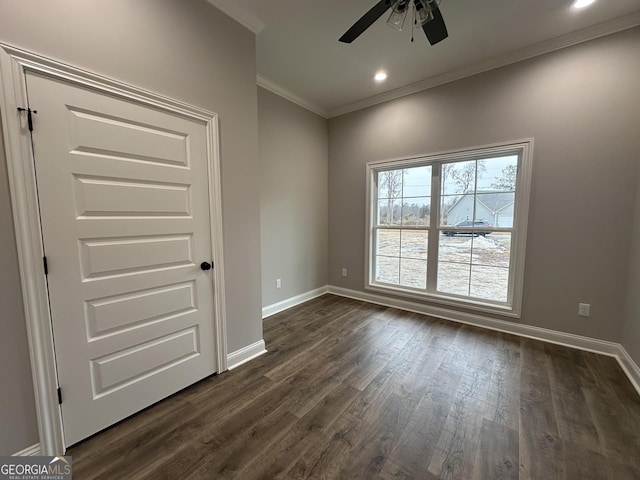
(59, 396)
(29, 116)
(46, 267)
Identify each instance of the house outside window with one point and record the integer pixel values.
(451, 227)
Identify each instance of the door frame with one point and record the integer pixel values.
(14, 63)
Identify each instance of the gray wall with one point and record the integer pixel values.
(582, 107)
(293, 198)
(185, 49)
(631, 324)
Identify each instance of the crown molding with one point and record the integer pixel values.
(239, 15)
(273, 87)
(574, 38)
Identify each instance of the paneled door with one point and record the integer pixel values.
(124, 199)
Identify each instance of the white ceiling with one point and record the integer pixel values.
(299, 56)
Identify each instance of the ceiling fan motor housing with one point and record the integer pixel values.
(427, 17)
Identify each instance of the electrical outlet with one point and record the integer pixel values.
(278, 283)
(344, 272)
(584, 309)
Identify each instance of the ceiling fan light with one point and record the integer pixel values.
(423, 13)
(578, 4)
(398, 14)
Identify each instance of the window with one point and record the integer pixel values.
(451, 227)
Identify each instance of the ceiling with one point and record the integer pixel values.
(299, 56)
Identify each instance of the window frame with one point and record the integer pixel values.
(513, 306)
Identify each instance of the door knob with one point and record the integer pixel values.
(205, 266)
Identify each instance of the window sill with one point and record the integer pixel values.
(473, 305)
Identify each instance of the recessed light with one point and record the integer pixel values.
(380, 77)
(582, 3)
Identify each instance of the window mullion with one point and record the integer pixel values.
(434, 233)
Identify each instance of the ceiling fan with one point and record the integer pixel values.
(425, 12)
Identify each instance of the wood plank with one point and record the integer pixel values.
(411, 455)
(539, 440)
(233, 453)
(575, 424)
(498, 454)
(352, 390)
(379, 436)
(585, 464)
(454, 455)
(503, 399)
(301, 436)
(619, 432)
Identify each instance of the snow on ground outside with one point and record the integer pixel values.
(468, 265)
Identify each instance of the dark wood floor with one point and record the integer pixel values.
(353, 390)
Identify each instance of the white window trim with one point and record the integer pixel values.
(518, 245)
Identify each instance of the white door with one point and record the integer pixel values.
(124, 200)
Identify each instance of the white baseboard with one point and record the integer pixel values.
(32, 451)
(546, 335)
(630, 367)
(237, 358)
(293, 301)
(506, 326)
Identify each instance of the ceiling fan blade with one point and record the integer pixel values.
(435, 29)
(366, 21)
